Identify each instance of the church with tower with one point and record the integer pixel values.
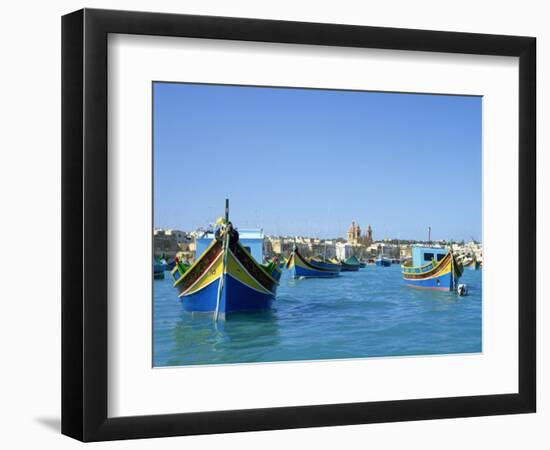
(354, 234)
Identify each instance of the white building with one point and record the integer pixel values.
(344, 250)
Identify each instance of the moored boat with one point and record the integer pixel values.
(158, 269)
(302, 267)
(383, 262)
(471, 263)
(351, 264)
(226, 278)
(432, 268)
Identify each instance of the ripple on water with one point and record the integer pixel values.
(357, 315)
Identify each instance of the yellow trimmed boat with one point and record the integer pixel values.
(226, 278)
(302, 267)
(432, 268)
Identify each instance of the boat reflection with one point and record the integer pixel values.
(198, 339)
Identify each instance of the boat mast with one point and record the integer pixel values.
(225, 244)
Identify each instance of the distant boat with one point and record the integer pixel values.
(171, 264)
(471, 263)
(226, 278)
(383, 262)
(351, 264)
(432, 268)
(302, 267)
(396, 261)
(362, 261)
(158, 269)
(371, 262)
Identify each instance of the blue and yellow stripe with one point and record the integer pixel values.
(247, 285)
(437, 275)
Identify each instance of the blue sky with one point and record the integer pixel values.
(308, 162)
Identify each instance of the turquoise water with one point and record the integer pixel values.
(357, 315)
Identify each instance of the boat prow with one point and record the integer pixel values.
(226, 278)
(302, 267)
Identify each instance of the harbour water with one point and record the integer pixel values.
(369, 313)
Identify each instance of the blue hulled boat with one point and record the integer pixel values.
(158, 269)
(383, 262)
(311, 267)
(432, 268)
(225, 277)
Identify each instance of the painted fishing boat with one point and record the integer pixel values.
(432, 268)
(363, 263)
(302, 267)
(351, 264)
(383, 262)
(226, 278)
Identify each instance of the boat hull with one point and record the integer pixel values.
(246, 285)
(236, 296)
(383, 262)
(350, 267)
(439, 276)
(352, 264)
(301, 268)
(440, 283)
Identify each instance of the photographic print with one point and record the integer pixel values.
(302, 224)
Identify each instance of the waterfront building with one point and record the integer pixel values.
(344, 250)
(405, 251)
(325, 248)
(167, 243)
(385, 250)
(280, 245)
(354, 233)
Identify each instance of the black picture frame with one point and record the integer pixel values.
(84, 224)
